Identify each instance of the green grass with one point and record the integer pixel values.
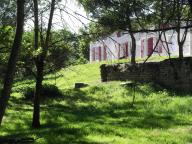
(101, 113)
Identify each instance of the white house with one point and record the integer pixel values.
(118, 45)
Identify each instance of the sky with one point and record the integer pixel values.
(66, 17)
(70, 19)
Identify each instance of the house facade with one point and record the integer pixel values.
(118, 45)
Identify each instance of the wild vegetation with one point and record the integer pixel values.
(100, 113)
(39, 66)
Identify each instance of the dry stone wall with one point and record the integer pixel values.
(171, 73)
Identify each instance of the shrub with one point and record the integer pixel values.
(0, 91)
(28, 93)
(48, 91)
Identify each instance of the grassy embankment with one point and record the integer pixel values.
(101, 113)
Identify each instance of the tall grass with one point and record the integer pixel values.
(101, 113)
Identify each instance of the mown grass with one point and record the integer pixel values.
(101, 113)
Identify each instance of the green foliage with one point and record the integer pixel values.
(81, 60)
(63, 52)
(6, 36)
(25, 64)
(6, 39)
(118, 14)
(97, 30)
(84, 39)
(102, 112)
(65, 49)
(48, 91)
(8, 13)
(0, 91)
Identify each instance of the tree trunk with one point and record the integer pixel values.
(180, 50)
(37, 94)
(49, 30)
(8, 80)
(179, 42)
(38, 88)
(40, 68)
(133, 49)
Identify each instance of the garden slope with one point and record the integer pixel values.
(101, 113)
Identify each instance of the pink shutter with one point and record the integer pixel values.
(93, 54)
(99, 53)
(105, 53)
(160, 47)
(142, 48)
(119, 51)
(150, 46)
(126, 50)
(118, 34)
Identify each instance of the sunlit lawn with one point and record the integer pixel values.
(101, 113)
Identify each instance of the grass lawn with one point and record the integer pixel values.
(101, 113)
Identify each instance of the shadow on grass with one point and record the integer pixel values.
(53, 77)
(153, 87)
(69, 122)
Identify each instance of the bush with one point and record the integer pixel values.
(48, 91)
(81, 60)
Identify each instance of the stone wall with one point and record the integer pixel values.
(173, 73)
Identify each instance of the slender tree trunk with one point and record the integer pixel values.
(133, 42)
(37, 94)
(178, 29)
(179, 42)
(40, 68)
(133, 49)
(46, 46)
(180, 50)
(8, 80)
(36, 112)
